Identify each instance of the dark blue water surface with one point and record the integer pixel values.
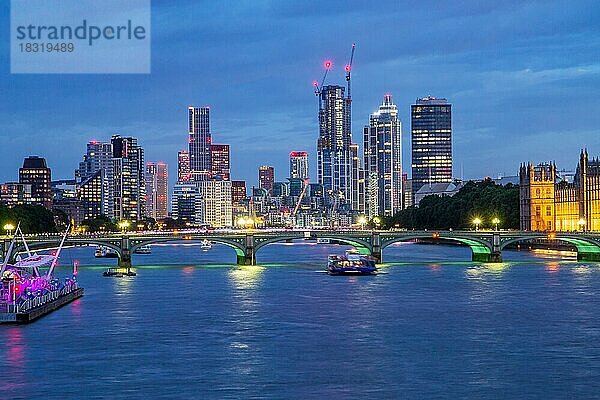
(191, 325)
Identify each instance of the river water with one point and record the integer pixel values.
(432, 325)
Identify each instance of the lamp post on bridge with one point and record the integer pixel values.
(496, 221)
(9, 228)
(477, 222)
(581, 224)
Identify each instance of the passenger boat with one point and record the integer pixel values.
(352, 263)
(29, 289)
(205, 245)
(323, 240)
(145, 249)
(105, 252)
(119, 272)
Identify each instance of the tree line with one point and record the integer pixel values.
(483, 200)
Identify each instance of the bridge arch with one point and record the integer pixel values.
(481, 250)
(53, 244)
(362, 246)
(587, 249)
(237, 247)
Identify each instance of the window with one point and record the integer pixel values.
(548, 211)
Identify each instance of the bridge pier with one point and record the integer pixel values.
(376, 250)
(125, 256)
(249, 256)
(587, 256)
(496, 256)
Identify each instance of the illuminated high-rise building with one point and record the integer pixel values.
(299, 164)
(431, 137)
(383, 160)
(98, 158)
(199, 143)
(157, 189)
(266, 177)
(334, 157)
(128, 188)
(183, 166)
(220, 161)
(238, 191)
(36, 173)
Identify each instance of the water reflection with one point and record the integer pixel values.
(246, 277)
(553, 267)
(494, 270)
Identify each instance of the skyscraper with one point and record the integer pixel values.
(299, 164)
(183, 166)
(383, 160)
(220, 165)
(91, 195)
(334, 157)
(128, 189)
(157, 189)
(199, 143)
(431, 139)
(218, 211)
(98, 158)
(238, 191)
(36, 173)
(266, 177)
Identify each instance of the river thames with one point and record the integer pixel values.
(432, 325)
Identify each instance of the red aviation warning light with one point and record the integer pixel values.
(328, 64)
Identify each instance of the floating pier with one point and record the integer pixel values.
(38, 307)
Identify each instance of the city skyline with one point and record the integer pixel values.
(503, 68)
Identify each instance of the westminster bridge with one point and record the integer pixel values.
(486, 246)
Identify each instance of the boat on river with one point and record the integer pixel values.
(119, 272)
(145, 249)
(352, 263)
(29, 289)
(205, 245)
(105, 252)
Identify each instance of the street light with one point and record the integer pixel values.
(377, 221)
(8, 228)
(123, 225)
(362, 220)
(476, 222)
(496, 221)
(581, 224)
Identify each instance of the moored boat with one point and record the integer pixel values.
(119, 272)
(28, 287)
(205, 245)
(105, 252)
(145, 249)
(352, 263)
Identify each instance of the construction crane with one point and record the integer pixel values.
(348, 70)
(306, 184)
(328, 64)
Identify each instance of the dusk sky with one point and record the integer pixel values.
(523, 78)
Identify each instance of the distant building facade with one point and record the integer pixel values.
(128, 181)
(548, 203)
(36, 173)
(299, 164)
(15, 194)
(199, 142)
(220, 164)
(383, 160)
(266, 177)
(187, 204)
(157, 190)
(183, 166)
(431, 138)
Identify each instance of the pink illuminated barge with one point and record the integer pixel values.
(29, 289)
